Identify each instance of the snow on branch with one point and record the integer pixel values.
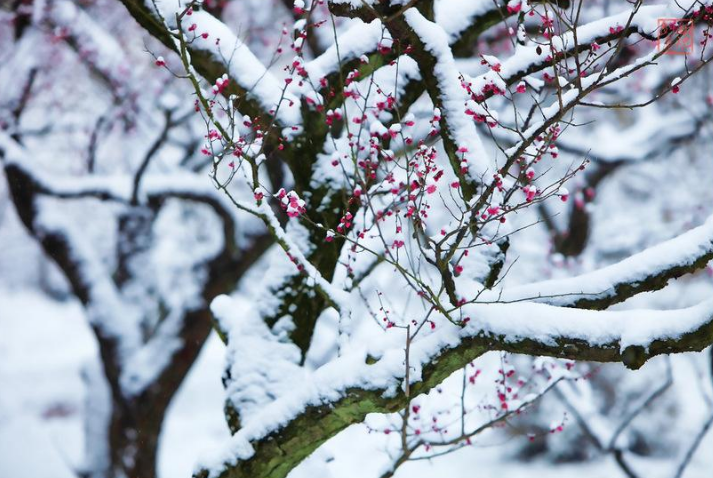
(530, 59)
(112, 320)
(345, 390)
(463, 21)
(361, 39)
(643, 272)
(215, 50)
(464, 146)
(118, 188)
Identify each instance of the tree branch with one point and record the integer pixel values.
(292, 427)
(258, 90)
(646, 271)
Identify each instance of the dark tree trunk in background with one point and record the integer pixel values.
(130, 440)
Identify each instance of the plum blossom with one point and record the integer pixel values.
(291, 203)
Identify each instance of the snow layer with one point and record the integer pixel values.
(510, 322)
(453, 96)
(683, 250)
(242, 65)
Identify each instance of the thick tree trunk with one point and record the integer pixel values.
(133, 440)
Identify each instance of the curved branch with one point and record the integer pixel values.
(646, 271)
(442, 83)
(363, 40)
(258, 90)
(285, 432)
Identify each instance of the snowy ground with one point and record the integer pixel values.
(45, 344)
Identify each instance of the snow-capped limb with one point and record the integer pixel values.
(533, 59)
(367, 10)
(344, 391)
(646, 271)
(364, 40)
(259, 90)
(460, 139)
(432, 52)
(114, 325)
(466, 20)
(111, 321)
(90, 281)
(360, 40)
(364, 48)
(462, 20)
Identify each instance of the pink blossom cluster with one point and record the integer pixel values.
(291, 203)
